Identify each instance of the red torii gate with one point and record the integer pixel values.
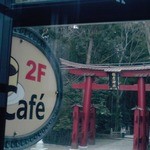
(141, 114)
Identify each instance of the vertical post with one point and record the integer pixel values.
(136, 137)
(86, 110)
(142, 106)
(92, 125)
(75, 132)
(147, 127)
(5, 47)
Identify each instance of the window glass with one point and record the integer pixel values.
(123, 44)
(80, 46)
(27, 1)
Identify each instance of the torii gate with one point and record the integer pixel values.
(141, 114)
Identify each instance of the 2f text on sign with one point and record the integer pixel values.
(36, 71)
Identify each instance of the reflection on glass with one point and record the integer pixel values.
(26, 1)
(124, 43)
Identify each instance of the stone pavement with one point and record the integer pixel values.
(112, 144)
(101, 144)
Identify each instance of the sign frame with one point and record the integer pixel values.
(28, 140)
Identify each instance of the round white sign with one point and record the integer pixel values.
(35, 90)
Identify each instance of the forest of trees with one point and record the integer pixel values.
(113, 44)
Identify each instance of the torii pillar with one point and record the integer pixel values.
(75, 132)
(140, 122)
(86, 110)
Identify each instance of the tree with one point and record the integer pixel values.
(112, 44)
(147, 34)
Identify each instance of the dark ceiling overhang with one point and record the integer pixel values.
(79, 12)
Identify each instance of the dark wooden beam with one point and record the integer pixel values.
(5, 51)
(79, 12)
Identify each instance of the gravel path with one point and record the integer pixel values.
(101, 144)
